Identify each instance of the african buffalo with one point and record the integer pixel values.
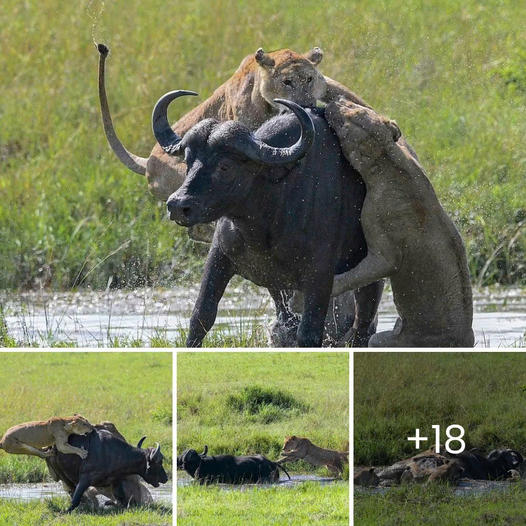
(289, 216)
(495, 466)
(110, 460)
(228, 469)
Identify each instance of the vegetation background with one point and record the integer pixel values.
(395, 393)
(246, 403)
(453, 74)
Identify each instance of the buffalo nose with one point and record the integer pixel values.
(179, 209)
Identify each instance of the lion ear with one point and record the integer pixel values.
(264, 59)
(315, 55)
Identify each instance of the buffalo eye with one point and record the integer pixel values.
(287, 82)
(309, 79)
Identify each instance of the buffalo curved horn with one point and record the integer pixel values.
(261, 152)
(139, 444)
(166, 137)
(156, 450)
(205, 451)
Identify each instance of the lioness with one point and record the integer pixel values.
(296, 448)
(31, 437)
(247, 96)
(366, 477)
(410, 238)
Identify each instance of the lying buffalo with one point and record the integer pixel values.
(110, 462)
(290, 215)
(495, 466)
(228, 469)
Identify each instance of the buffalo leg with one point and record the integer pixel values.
(285, 328)
(218, 272)
(82, 486)
(367, 300)
(317, 295)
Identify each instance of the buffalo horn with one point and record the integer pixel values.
(140, 442)
(205, 451)
(259, 151)
(166, 137)
(156, 450)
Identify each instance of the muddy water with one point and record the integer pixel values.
(92, 319)
(465, 487)
(295, 480)
(27, 492)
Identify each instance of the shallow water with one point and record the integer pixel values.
(91, 319)
(295, 480)
(27, 492)
(466, 487)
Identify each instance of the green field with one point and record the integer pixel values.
(451, 73)
(395, 393)
(246, 403)
(437, 506)
(49, 513)
(308, 504)
(132, 390)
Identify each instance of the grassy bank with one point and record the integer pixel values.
(307, 504)
(437, 506)
(395, 393)
(48, 513)
(450, 73)
(132, 390)
(246, 403)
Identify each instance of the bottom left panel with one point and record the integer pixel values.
(89, 433)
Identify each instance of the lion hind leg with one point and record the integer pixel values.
(15, 447)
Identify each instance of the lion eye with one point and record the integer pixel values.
(287, 82)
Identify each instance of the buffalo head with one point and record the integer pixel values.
(190, 459)
(506, 458)
(155, 473)
(223, 161)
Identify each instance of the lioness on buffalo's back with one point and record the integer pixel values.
(247, 96)
(34, 438)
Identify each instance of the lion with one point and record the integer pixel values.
(30, 438)
(410, 238)
(297, 448)
(366, 477)
(248, 96)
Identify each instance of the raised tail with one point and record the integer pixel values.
(133, 162)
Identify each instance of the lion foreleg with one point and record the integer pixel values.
(61, 442)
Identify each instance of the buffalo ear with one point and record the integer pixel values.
(395, 130)
(264, 59)
(315, 55)
(139, 444)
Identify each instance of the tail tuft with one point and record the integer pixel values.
(103, 49)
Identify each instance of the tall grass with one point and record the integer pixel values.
(395, 393)
(221, 401)
(450, 72)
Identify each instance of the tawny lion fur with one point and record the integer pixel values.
(247, 96)
(297, 448)
(30, 438)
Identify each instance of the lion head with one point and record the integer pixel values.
(285, 74)
(78, 425)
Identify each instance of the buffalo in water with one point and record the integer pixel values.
(289, 214)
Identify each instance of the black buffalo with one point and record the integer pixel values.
(229, 469)
(290, 215)
(495, 466)
(109, 462)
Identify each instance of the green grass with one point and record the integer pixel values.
(395, 393)
(437, 506)
(246, 403)
(307, 504)
(451, 73)
(49, 513)
(132, 390)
